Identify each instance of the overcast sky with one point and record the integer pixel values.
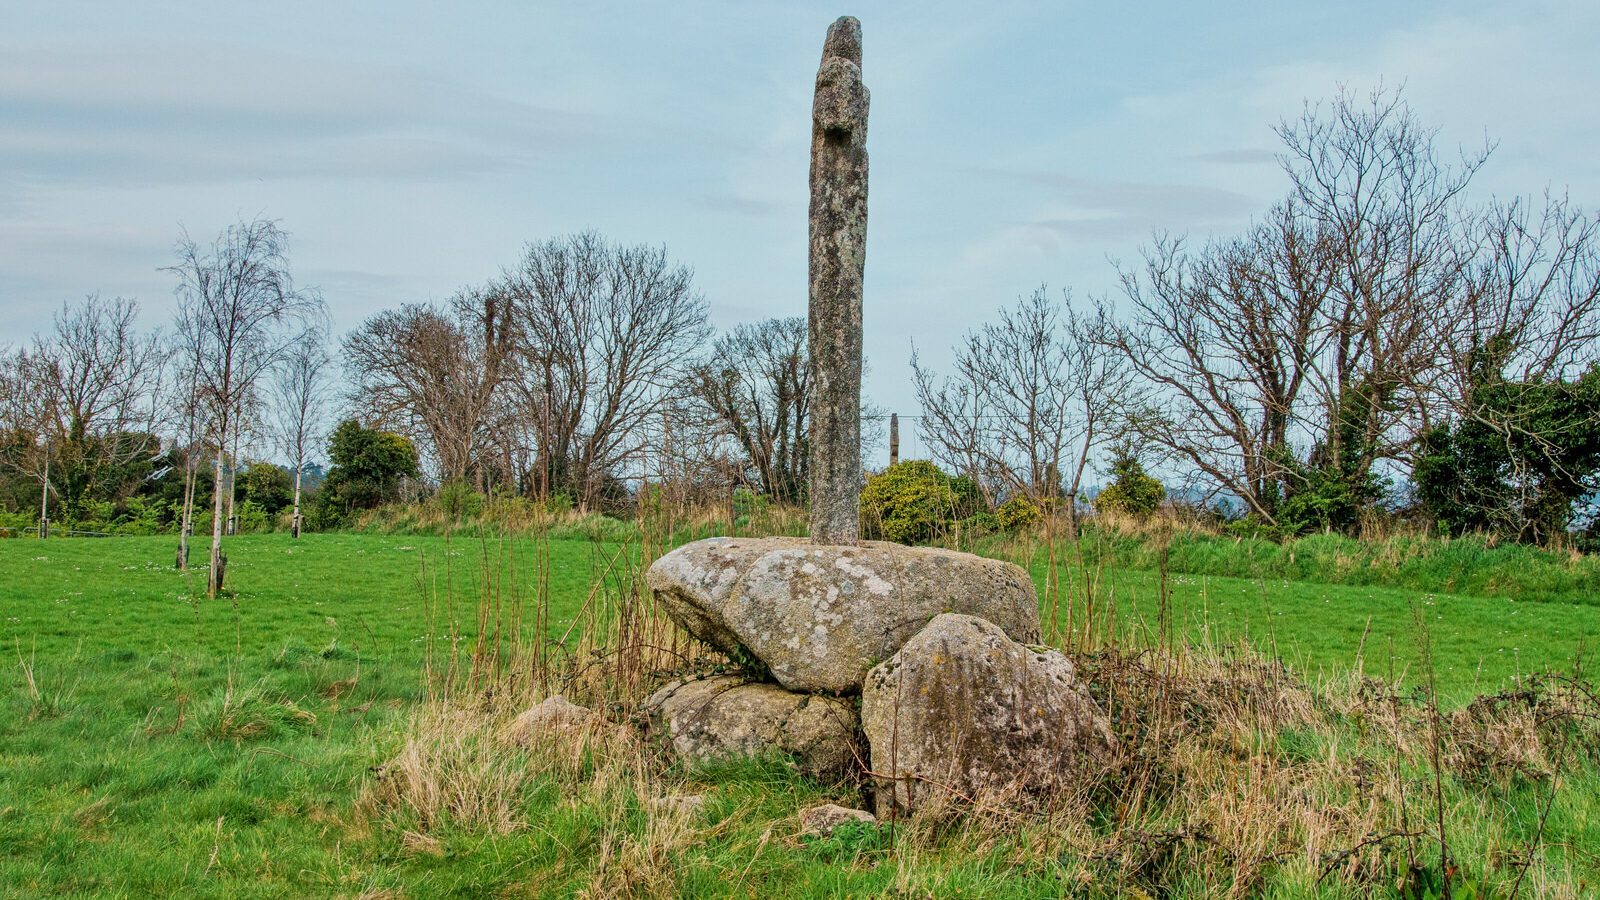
(412, 148)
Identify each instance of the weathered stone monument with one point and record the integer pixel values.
(938, 643)
(838, 223)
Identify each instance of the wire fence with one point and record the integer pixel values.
(26, 530)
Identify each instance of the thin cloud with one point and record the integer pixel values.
(152, 117)
(1154, 205)
(741, 206)
(1237, 157)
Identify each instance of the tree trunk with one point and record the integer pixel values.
(294, 523)
(214, 582)
(233, 480)
(44, 496)
(186, 522)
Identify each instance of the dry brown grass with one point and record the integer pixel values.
(1233, 775)
(457, 769)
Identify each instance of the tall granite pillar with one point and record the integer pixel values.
(838, 258)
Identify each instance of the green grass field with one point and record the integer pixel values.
(131, 766)
(156, 743)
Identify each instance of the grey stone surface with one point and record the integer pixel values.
(818, 617)
(822, 820)
(725, 715)
(553, 715)
(838, 229)
(963, 713)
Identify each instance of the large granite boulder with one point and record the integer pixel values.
(819, 616)
(722, 715)
(963, 712)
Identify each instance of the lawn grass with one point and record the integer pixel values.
(179, 745)
(1479, 644)
(1471, 565)
(156, 743)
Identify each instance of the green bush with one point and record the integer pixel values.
(969, 498)
(270, 487)
(145, 515)
(253, 517)
(1017, 513)
(747, 504)
(13, 524)
(980, 524)
(458, 500)
(1132, 490)
(368, 467)
(910, 503)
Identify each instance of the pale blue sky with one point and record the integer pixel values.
(412, 148)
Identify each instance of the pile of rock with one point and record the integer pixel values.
(956, 699)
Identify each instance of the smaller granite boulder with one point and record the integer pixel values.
(963, 712)
(726, 715)
(554, 715)
(821, 820)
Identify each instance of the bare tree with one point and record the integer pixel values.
(1535, 285)
(756, 384)
(951, 427)
(189, 447)
(433, 374)
(604, 335)
(1224, 341)
(1031, 398)
(1522, 333)
(239, 312)
(1311, 342)
(84, 391)
(300, 391)
(1397, 246)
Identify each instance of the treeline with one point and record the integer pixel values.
(1374, 346)
(580, 374)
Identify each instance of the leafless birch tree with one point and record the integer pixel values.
(300, 392)
(239, 312)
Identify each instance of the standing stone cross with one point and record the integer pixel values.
(838, 258)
